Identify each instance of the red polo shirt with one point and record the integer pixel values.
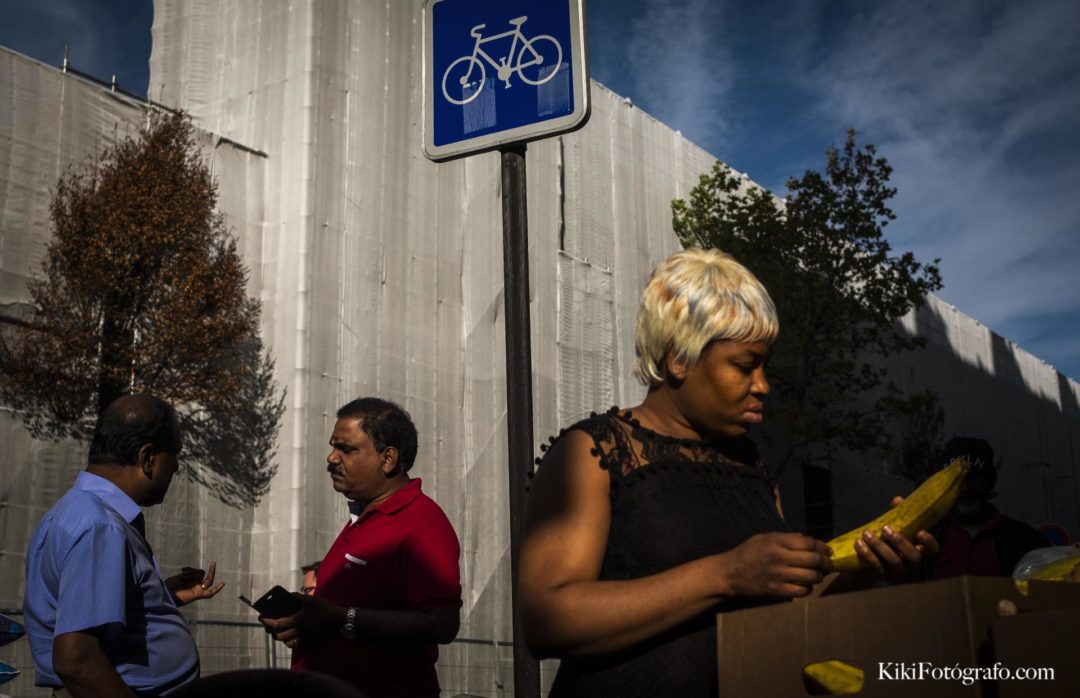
(994, 550)
(399, 555)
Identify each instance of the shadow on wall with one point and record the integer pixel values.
(1070, 406)
(981, 384)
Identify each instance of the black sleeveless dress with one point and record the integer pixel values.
(672, 501)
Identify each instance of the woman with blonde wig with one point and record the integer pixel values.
(643, 523)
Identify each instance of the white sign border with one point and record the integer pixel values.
(563, 124)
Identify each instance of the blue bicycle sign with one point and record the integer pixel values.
(501, 71)
(536, 62)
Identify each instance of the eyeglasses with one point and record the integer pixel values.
(307, 591)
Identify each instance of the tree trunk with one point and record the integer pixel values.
(115, 357)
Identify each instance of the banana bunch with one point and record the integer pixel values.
(919, 511)
(834, 678)
(1063, 570)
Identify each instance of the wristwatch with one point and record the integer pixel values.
(348, 631)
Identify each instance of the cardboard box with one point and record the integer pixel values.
(949, 624)
(1043, 639)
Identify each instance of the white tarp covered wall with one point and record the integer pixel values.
(990, 388)
(48, 122)
(381, 273)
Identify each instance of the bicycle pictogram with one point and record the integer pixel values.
(538, 60)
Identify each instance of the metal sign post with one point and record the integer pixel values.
(499, 73)
(518, 387)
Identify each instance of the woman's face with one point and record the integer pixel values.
(721, 395)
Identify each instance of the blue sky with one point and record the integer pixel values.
(975, 103)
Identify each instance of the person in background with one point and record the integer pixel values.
(643, 523)
(310, 579)
(976, 538)
(101, 620)
(389, 589)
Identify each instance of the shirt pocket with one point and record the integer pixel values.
(368, 572)
(353, 561)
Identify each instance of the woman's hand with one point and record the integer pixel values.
(779, 565)
(892, 556)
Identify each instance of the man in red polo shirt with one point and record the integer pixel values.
(389, 588)
(976, 538)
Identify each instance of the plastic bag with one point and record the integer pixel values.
(1044, 563)
(7, 672)
(9, 630)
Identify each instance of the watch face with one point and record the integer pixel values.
(348, 631)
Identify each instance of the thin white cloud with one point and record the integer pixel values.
(974, 104)
(59, 11)
(681, 67)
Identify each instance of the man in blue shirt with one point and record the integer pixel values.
(100, 619)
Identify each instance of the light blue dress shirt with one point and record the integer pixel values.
(89, 568)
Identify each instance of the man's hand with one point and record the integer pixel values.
(193, 584)
(893, 557)
(316, 619)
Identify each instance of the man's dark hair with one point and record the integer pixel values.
(128, 424)
(387, 424)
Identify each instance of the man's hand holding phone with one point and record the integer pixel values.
(276, 603)
(315, 619)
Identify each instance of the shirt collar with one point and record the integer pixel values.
(995, 519)
(991, 522)
(397, 501)
(109, 493)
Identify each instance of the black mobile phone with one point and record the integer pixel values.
(276, 603)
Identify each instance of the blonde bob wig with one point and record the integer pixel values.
(695, 297)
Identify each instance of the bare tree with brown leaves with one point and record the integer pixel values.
(142, 290)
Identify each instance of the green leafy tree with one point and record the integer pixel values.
(839, 290)
(921, 436)
(142, 290)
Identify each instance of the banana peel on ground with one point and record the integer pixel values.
(923, 508)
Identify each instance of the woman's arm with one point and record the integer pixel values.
(567, 611)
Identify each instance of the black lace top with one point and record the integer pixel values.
(672, 501)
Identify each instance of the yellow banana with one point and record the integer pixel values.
(919, 511)
(834, 677)
(1064, 570)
